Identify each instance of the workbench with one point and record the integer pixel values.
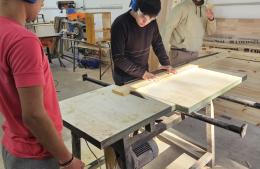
(108, 120)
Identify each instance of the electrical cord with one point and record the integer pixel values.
(93, 154)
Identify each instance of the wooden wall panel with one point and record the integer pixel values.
(241, 28)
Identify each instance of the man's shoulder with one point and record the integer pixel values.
(11, 28)
(123, 18)
(22, 32)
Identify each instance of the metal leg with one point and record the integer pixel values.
(100, 65)
(49, 55)
(60, 55)
(210, 129)
(76, 147)
(74, 57)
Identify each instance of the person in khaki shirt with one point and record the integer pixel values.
(185, 28)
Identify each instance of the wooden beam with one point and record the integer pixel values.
(183, 162)
(173, 139)
(203, 161)
(210, 131)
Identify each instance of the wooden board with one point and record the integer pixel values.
(105, 117)
(192, 89)
(239, 62)
(237, 47)
(247, 28)
(183, 162)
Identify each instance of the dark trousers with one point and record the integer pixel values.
(12, 162)
(180, 57)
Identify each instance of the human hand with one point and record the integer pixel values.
(169, 69)
(148, 76)
(210, 14)
(75, 164)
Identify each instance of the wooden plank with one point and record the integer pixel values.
(110, 158)
(210, 134)
(90, 28)
(172, 139)
(126, 89)
(183, 162)
(203, 161)
(104, 117)
(250, 88)
(176, 89)
(244, 56)
(162, 76)
(247, 28)
(106, 23)
(236, 47)
(191, 89)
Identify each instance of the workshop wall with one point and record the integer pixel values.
(116, 7)
(223, 8)
(247, 9)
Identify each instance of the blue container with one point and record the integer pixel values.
(91, 63)
(71, 11)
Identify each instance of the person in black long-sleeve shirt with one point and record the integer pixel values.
(132, 35)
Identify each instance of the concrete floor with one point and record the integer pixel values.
(228, 145)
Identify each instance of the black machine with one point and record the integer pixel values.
(66, 4)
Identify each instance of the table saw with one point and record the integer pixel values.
(123, 120)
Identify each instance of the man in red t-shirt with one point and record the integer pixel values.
(33, 125)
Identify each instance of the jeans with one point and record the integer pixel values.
(12, 162)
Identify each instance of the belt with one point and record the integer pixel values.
(179, 49)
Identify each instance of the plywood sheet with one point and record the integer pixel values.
(240, 63)
(192, 89)
(105, 117)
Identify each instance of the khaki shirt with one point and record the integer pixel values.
(185, 27)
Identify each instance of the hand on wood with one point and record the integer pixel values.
(169, 69)
(148, 76)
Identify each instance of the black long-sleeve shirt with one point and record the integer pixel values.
(131, 43)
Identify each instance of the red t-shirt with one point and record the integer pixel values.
(23, 64)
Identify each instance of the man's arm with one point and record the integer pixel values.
(211, 24)
(158, 47)
(38, 122)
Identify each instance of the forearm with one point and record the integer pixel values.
(129, 67)
(211, 26)
(160, 52)
(43, 129)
